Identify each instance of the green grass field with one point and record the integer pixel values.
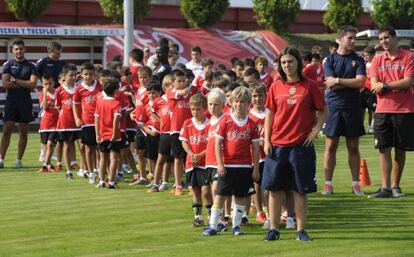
(45, 215)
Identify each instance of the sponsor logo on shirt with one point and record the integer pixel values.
(197, 139)
(238, 135)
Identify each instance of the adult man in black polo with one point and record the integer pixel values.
(19, 78)
(52, 64)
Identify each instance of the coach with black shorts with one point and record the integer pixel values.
(19, 78)
(345, 74)
(392, 79)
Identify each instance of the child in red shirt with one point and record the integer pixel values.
(178, 98)
(108, 132)
(261, 67)
(235, 137)
(48, 122)
(194, 135)
(84, 98)
(69, 131)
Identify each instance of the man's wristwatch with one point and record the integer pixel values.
(337, 81)
(13, 79)
(385, 87)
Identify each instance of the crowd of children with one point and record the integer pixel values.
(202, 119)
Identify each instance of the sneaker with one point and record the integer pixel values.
(261, 217)
(163, 187)
(198, 222)
(266, 225)
(153, 189)
(178, 191)
(370, 130)
(92, 177)
(42, 158)
(396, 192)
(209, 232)
(54, 157)
(381, 193)
(59, 167)
(237, 231)
(356, 189)
(1, 164)
(18, 164)
(149, 185)
(80, 174)
(43, 169)
(327, 189)
(142, 181)
(101, 185)
(303, 236)
(125, 168)
(244, 221)
(272, 235)
(114, 186)
(135, 177)
(290, 223)
(69, 176)
(221, 226)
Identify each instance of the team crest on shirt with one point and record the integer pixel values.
(292, 90)
(353, 63)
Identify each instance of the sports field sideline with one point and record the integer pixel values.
(45, 215)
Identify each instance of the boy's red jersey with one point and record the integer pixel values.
(259, 119)
(150, 117)
(199, 83)
(266, 79)
(162, 109)
(180, 108)
(106, 109)
(64, 102)
(85, 96)
(211, 160)
(134, 76)
(196, 137)
(50, 114)
(237, 137)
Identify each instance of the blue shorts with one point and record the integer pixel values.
(18, 111)
(348, 123)
(290, 168)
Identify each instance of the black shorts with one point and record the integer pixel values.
(20, 111)
(51, 136)
(237, 182)
(140, 140)
(177, 149)
(124, 140)
(394, 130)
(290, 168)
(89, 136)
(131, 134)
(213, 174)
(152, 144)
(198, 177)
(368, 99)
(261, 167)
(164, 147)
(72, 135)
(346, 123)
(108, 146)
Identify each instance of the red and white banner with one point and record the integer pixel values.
(220, 45)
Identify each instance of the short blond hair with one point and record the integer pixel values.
(241, 93)
(167, 81)
(198, 99)
(217, 93)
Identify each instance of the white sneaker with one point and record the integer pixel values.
(80, 173)
(370, 130)
(92, 177)
(18, 164)
(125, 168)
(290, 223)
(54, 157)
(42, 158)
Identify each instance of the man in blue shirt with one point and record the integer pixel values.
(345, 75)
(51, 64)
(19, 78)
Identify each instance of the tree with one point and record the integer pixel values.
(276, 15)
(203, 13)
(27, 10)
(341, 12)
(115, 9)
(396, 13)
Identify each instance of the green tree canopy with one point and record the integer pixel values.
(396, 13)
(115, 9)
(27, 10)
(342, 12)
(276, 15)
(203, 13)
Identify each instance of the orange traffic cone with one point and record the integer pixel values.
(363, 174)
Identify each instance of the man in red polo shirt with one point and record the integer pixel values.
(392, 76)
